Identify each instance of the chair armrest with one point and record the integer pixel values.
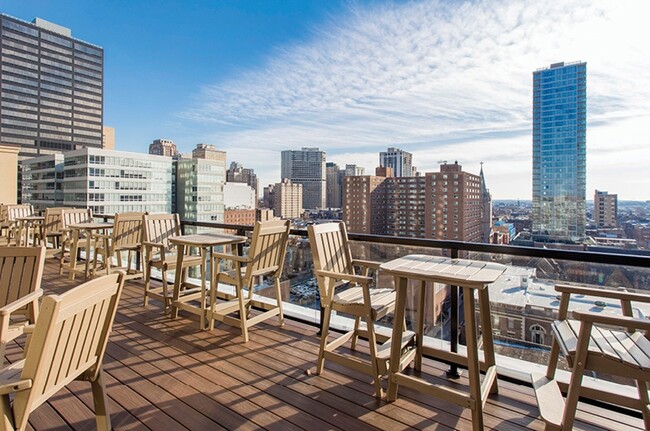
(150, 245)
(628, 322)
(233, 257)
(360, 279)
(21, 302)
(602, 293)
(11, 382)
(366, 263)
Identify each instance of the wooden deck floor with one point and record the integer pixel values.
(165, 374)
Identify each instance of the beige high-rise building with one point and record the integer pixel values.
(108, 138)
(209, 152)
(605, 209)
(163, 147)
(8, 173)
(441, 205)
(287, 200)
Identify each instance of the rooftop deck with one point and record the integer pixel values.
(165, 374)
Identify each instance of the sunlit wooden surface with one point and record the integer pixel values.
(165, 374)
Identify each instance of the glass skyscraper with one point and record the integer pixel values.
(559, 150)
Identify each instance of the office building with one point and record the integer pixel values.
(42, 181)
(334, 185)
(52, 88)
(209, 152)
(237, 173)
(200, 182)
(106, 181)
(354, 170)
(401, 162)
(306, 167)
(559, 151)
(486, 210)
(163, 147)
(442, 205)
(605, 209)
(364, 204)
(287, 199)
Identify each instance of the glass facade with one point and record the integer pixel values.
(112, 182)
(199, 190)
(559, 150)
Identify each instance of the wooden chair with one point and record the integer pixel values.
(14, 227)
(4, 225)
(52, 227)
(127, 237)
(69, 217)
(21, 270)
(334, 269)
(68, 343)
(265, 259)
(591, 342)
(161, 254)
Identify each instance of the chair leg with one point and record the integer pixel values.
(372, 341)
(642, 387)
(167, 300)
(147, 284)
(320, 362)
(355, 334)
(7, 419)
(243, 312)
(278, 296)
(100, 401)
(3, 348)
(579, 365)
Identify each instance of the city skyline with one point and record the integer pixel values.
(441, 80)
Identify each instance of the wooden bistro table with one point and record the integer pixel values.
(84, 232)
(185, 293)
(471, 276)
(26, 227)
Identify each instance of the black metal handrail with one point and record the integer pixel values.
(551, 253)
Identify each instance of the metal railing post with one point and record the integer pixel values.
(453, 372)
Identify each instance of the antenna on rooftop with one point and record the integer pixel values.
(442, 162)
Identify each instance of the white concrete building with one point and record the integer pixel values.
(112, 182)
(239, 196)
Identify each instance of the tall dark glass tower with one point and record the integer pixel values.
(559, 150)
(52, 88)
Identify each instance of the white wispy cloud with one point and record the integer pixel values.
(444, 80)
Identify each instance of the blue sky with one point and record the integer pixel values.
(445, 80)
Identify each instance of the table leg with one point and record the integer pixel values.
(488, 341)
(398, 328)
(419, 332)
(473, 366)
(178, 279)
(87, 263)
(203, 287)
(74, 249)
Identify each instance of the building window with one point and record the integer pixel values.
(537, 334)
